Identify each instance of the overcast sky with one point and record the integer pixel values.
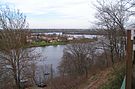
(55, 13)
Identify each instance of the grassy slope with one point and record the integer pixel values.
(97, 80)
(106, 79)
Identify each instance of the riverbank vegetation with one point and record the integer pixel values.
(82, 62)
(55, 43)
(43, 43)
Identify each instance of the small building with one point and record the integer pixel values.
(70, 38)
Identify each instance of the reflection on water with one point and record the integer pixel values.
(51, 55)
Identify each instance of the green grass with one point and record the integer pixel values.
(43, 43)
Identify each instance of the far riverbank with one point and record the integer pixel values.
(43, 43)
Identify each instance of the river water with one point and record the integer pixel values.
(53, 54)
(50, 55)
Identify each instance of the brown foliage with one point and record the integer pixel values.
(67, 82)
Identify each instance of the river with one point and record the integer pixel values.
(50, 55)
(53, 54)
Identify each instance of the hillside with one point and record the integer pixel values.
(106, 78)
(96, 80)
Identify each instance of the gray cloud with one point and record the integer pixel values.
(67, 12)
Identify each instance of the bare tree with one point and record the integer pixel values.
(77, 59)
(112, 18)
(13, 39)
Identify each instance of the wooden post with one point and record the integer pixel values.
(51, 76)
(129, 61)
(133, 80)
(51, 72)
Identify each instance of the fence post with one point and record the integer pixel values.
(129, 61)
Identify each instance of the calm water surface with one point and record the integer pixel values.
(51, 55)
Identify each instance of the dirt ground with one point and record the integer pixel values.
(95, 81)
